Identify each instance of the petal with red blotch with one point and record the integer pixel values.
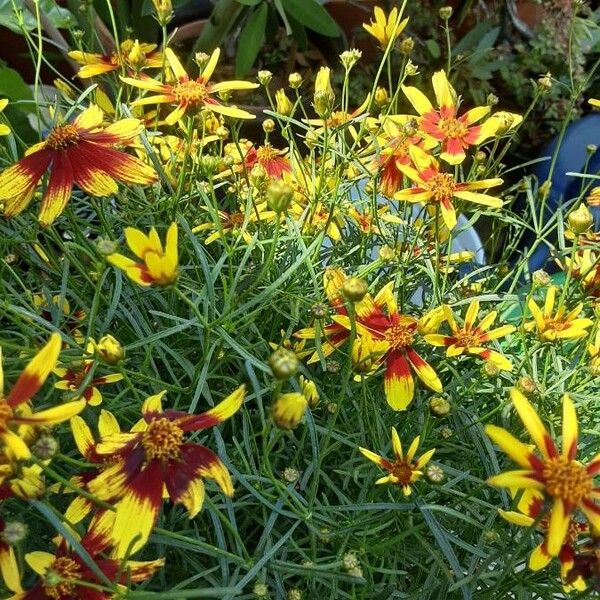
(20, 179)
(113, 481)
(58, 191)
(221, 412)
(205, 463)
(137, 511)
(120, 132)
(453, 151)
(398, 382)
(89, 176)
(424, 371)
(36, 372)
(448, 213)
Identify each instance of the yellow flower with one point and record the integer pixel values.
(386, 29)
(565, 481)
(4, 129)
(562, 326)
(190, 95)
(156, 266)
(404, 470)
(287, 411)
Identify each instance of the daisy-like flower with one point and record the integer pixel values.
(78, 153)
(71, 379)
(565, 482)
(530, 509)
(64, 575)
(561, 325)
(154, 456)
(454, 133)
(382, 321)
(403, 470)
(190, 95)
(585, 267)
(73, 319)
(4, 129)
(470, 338)
(155, 265)
(386, 29)
(131, 55)
(339, 118)
(273, 161)
(14, 407)
(433, 186)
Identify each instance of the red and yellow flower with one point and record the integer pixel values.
(403, 470)
(566, 483)
(454, 133)
(15, 410)
(273, 161)
(72, 379)
(433, 186)
(132, 55)
(561, 325)
(190, 95)
(155, 265)
(470, 338)
(154, 456)
(78, 153)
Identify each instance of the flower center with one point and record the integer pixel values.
(442, 186)
(6, 412)
(557, 324)
(337, 118)
(466, 339)
(58, 582)
(567, 479)
(266, 153)
(400, 336)
(190, 92)
(162, 439)
(63, 137)
(402, 471)
(452, 128)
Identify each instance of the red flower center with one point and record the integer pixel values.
(6, 413)
(400, 336)
(58, 580)
(402, 471)
(567, 479)
(441, 185)
(162, 439)
(191, 92)
(63, 137)
(466, 339)
(452, 128)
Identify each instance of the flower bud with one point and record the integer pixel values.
(350, 57)
(283, 363)
(492, 100)
(294, 594)
(355, 289)
(332, 407)
(264, 77)
(489, 536)
(332, 366)
(387, 253)
(201, 59)
(14, 532)
(45, 447)
(279, 196)
(319, 310)
(309, 389)
(350, 561)
(106, 247)
(381, 96)
(439, 406)
(136, 58)
(260, 590)
(356, 571)
(268, 125)
(434, 473)
(527, 385)
(580, 220)
(406, 46)
(287, 411)
(109, 349)
(540, 278)
(445, 12)
(290, 475)
(283, 104)
(324, 96)
(164, 11)
(591, 148)
(295, 80)
(446, 432)
(222, 132)
(545, 82)
(411, 69)
(480, 156)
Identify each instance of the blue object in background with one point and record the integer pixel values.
(571, 157)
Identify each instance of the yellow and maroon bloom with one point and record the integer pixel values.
(9, 568)
(131, 55)
(64, 575)
(235, 223)
(437, 188)
(454, 133)
(273, 161)
(529, 513)
(154, 456)
(567, 484)
(72, 379)
(73, 318)
(155, 265)
(15, 409)
(470, 338)
(403, 470)
(561, 325)
(78, 153)
(386, 29)
(190, 95)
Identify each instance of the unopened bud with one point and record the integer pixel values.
(45, 447)
(319, 310)
(411, 69)
(109, 349)
(164, 11)
(580, 220)
(136, 58)
(295, 80)
(381, 96)
(201, 59)
(540, 278)
(350, 561)
(323, 103)
(283, 363)
(489, 536)
(439, 406)
(309, 389)
(434, 473)
(480, 156)
(527, 385)
(260, 590)
(355, 289)
(492, 100)
(268, 125)
(106, 247)
(350, 57)
(591, 148)
(545, 82)
(445, 12)
(283, 104)
(407, 45)
(290, 475)
(287, 411)
(279, 196)
(294, 594)
(222, 132)
(264, 77)
(446, 432)
(14, 532)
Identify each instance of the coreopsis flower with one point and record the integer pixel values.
(454, 133)
(530, 513)
(9, 568)
(297, 347)
(470, 338)
(386, 28)
(382, 321)
(338, 118)
(368, 222)
(15, 408)
(73, 318)
(72, 378)
(154, 456)
(566, 483)
(4, 129)
(235, 223)
(585, 267)
(561, 325)
(403, 470)
(433, 186)
(272, 160)
(109, 349)
(78, 153)
(64, 575)
(190, 95)
(155, 265)
(131, 56)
